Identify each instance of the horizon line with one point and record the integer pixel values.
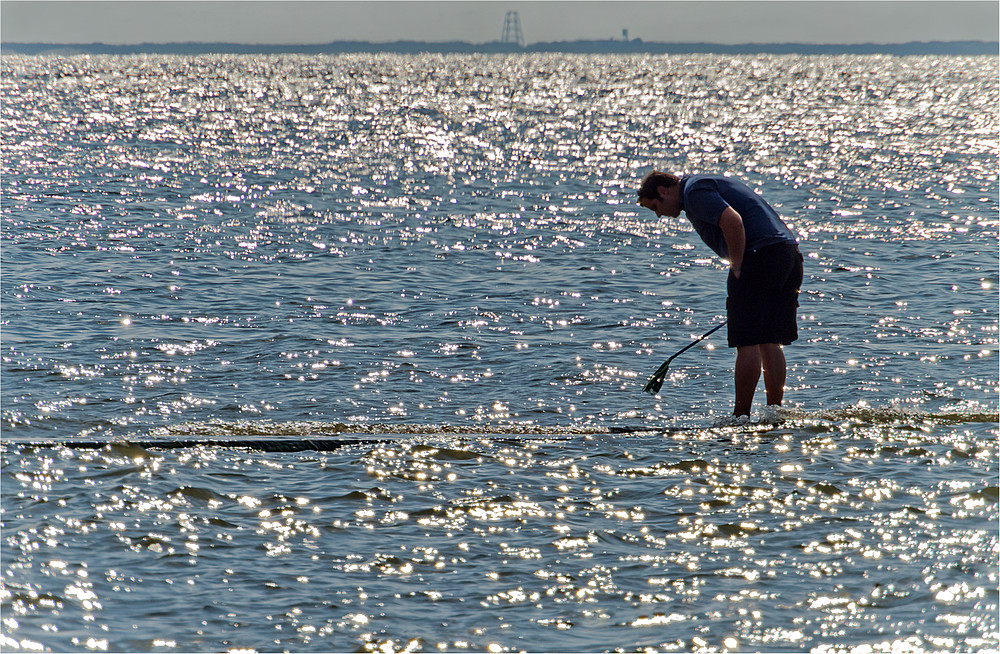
(637, 41)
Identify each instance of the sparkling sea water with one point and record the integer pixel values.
(437, 264)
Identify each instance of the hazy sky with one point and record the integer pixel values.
(481, 21)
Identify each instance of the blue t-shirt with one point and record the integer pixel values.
(705, 197)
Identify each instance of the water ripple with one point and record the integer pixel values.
(436, 263)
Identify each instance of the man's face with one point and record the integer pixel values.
(667, 203)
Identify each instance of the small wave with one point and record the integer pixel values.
(862, 414)
(769, 417)
(271, 429)
(293, 436)
(893, 415)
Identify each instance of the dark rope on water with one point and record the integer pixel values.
(280, 444)
(263, 445)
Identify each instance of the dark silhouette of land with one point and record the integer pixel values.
(635, 46)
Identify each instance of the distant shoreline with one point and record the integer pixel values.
(635, 46)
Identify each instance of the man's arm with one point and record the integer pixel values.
(731, 224)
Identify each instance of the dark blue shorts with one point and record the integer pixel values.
(763, 303)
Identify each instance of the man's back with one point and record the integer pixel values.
(705, 197)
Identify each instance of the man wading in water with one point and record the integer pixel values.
(765, 270)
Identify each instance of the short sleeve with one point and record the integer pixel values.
(703, 203)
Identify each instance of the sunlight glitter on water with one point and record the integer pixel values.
(564, 535)
(437, 262)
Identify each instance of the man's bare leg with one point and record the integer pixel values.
(773, 362)
(747, 374)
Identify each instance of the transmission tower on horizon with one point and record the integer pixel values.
(512, 30)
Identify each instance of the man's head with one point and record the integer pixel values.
(661, 193)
